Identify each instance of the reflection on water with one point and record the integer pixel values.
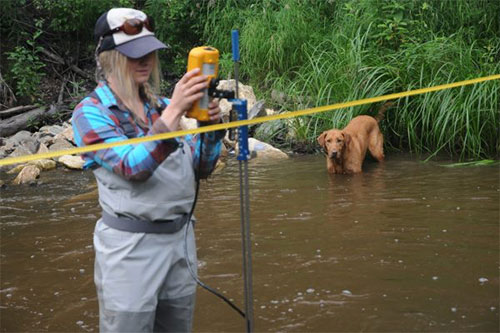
(405, 246)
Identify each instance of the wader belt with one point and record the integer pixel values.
(160, 227)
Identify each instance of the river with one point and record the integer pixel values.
(404, 246)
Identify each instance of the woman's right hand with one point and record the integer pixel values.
(188, 90)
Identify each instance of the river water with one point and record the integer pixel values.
(404, 246)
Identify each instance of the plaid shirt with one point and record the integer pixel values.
(94, 122)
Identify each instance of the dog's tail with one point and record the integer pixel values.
(381, 111)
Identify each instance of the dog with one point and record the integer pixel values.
(346, 149)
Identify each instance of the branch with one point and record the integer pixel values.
(58, 59)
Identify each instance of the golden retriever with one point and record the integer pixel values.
(346, 149)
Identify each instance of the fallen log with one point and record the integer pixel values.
(15, 110)
(20, 122)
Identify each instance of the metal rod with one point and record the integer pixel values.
(248, 250)
(246, 243)
(236, 79)
(244, 191)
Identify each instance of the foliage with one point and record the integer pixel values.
(177, 23)
(26, 66)
(322, 52)
(298, 54)
(71, 16)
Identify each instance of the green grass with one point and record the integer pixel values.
(317, 53)
(471, 164)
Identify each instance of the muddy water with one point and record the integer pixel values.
(405, 246)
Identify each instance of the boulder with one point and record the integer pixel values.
(61, 144)
(28, 175)
(20, 137)
(66, 134)
(8, 145)
(188, 123)
(44, 164)
(4, 152)
(23, 139)
(262, 150)
(20, 151)
(47, 140)
(72, 162)
(42, 148)
(268, 130)
(219, 167)
(244, 92)
(16, 169)
(51, 130)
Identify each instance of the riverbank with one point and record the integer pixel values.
(296, 55)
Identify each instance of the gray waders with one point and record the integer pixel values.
(142, 279)
(143, 283)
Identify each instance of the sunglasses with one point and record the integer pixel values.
(134, 26)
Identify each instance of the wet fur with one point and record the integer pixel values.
(346, 149)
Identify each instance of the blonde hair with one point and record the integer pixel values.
(114, 64)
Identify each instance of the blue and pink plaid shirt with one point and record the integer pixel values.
(94, 122)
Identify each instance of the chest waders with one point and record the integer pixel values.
(141, 274)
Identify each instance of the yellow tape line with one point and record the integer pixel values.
(209, 128)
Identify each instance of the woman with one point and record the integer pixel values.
(147, 190)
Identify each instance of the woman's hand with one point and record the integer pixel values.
(188, 90)
(214, 112)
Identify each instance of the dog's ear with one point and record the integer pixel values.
(347, 139)
(321, 139)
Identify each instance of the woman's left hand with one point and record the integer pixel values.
(214, 112)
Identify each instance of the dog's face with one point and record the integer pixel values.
(333, 142)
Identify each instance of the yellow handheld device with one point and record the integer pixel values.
(205, 58)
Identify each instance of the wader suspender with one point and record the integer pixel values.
(125, 124)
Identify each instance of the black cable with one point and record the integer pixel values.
(193, 275)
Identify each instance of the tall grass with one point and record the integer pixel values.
(322, 52)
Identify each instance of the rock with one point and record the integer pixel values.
(42, 149)
(72, 162)
(4, 152)
(268, 130)
(257, 110)
(269, 112)
(44, 164)
(188, 123)
(23, 139)
(52, 130)
(61, 144)
(16, 169)
(92, 195)
(260, 150)
(20, 137)
(2, 184)
(223, 151)
(31, 146)
(279, 97)
(8, 145)
(27, 175)
(44, 138)
(67, 134)
(219, 166)
(244, 92)
(20, 151)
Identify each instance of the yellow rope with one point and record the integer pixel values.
(209, 128)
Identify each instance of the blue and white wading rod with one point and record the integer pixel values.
(240, 106)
